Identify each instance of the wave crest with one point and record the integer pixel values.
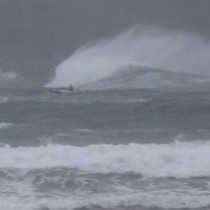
(180, 52)
(177, 159)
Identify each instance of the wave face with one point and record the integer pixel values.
(138, 77)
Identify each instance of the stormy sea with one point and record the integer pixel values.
(134, 134)
(138, 139)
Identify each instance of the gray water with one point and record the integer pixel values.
(108, 149)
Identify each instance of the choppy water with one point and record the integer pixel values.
(114, 149)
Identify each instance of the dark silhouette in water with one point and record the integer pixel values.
(62, 89)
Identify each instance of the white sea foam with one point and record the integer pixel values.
(165, 160)
(86, 130)
(166, 199)
(5, 125)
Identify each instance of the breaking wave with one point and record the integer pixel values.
(179, 159)
(137, 77)
(179, 52)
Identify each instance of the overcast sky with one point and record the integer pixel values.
(36, 35)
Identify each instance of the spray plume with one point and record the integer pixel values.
(176, 51)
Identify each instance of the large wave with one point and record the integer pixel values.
(177, 51)
(136, 77)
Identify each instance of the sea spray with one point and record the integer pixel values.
(176, 51)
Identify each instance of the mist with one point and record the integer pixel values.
(150, 47)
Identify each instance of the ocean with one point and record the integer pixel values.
(105, 149)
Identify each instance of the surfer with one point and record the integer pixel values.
(68, 89)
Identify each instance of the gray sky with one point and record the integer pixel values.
(36, 35)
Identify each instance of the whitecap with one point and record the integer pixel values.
(84, 130)
(178, 159)
(5, 125)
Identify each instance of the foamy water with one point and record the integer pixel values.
(166, 199)
(165, 160)
(5, 125)
(104, 150)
